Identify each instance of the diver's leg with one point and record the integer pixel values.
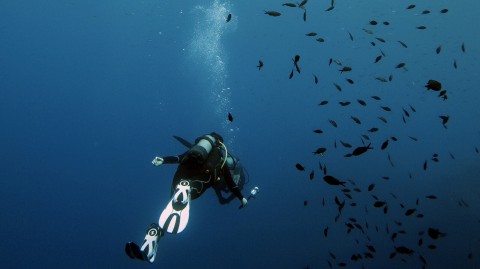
(174, 217)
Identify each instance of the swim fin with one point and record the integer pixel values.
(148, 251)
(174, 217)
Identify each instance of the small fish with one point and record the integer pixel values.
(350, 35)
(230, 117)
(394, 138)
(325, 231)
(409, 212)
(380, 39)
(382, 119)
(330, 8)
(421, 27)
(333, 181)
(319, 151)
(411, 7)
(435, 233)
(311, 34)
(349, 81)
(360, 150)
(338, 87)
(305, 15)
(320, 39)
(371, 187)
(291, 75)
(361, 102)
(260, 64)
(382, 79)
(345, 144)
(413, 138)
(463, 47)
(432, 197)
(386, 23)
(425, 165)
(438, 49)
(386, 108)
(385, 144)
(273, 13)
(373, 130)
(229, 17)
(403, 44)
(289, 5)
(303, 3)
(344, 103)
(400, 65)
(444, 120)
(356, 120)
(455, 64)
(404, 250)
(444, 11)
(345, 69)
(305, 203)
(318, 131)
(299, 167)
(425, 12)
(373, 22)
(322, 103)
(379, 57)
(333, 123)
(376, 97)
(311, 175)
(379, 204)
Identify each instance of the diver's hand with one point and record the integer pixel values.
(244, 202)
(157, 161)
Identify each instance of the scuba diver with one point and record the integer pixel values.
(206, 164)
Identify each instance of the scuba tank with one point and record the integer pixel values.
(202, 148)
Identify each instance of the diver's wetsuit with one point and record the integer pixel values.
(202, 176)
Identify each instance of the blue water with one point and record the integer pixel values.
(91, 91)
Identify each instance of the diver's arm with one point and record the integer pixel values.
(231, 184)
(168, 159)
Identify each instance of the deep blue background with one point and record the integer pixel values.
(91, 91)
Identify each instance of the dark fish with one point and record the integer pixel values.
(387, 178)
(273, 13)
(451, 156)
(386, 108)
(312, 175)
(229, 17)
(318, 131)
(322, 103)
(373, 130)
(330, 61)
(409, 212)
(315, 79)
(384, 145)
(421, 27)
(433, 197)
(330, 8)
(333, 181)
(386, 23)
(346, 145)
(296, 58)
(413, 138)
(299, 167)
(361, 102)
(338, 87)
(351, 36)
(291, 75)
(425, 12)
(425, 165)
(400, 65)
(438, 49)
(356, 120)
(379, 57)
(390, 78)
(344, 103)
(360, 150)
(371, 248)
(382, 79)
(444, 120)
(365, 136)
(376, 97)
(230, 117)
(432, 246)
(305, 203)
(305, 15)
(405, 112)
(463, 47)
(260, 64)
(444, 10)
(380, 39)
(394, 138)
(303, 3)
(379, 204)
(320, 39)
(320, 151)
(345, 69)
(403, 44)
(333, 123)
(371, 187)
(412, 108)
(289, 5)
(435, 233)
(349, 81)
(373, 22)
(404, 250)
(325, 232)
(455, 64)
(411, 7)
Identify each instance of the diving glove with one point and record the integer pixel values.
(244, 202)
(157, 161)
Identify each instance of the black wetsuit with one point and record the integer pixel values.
(204, 175)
